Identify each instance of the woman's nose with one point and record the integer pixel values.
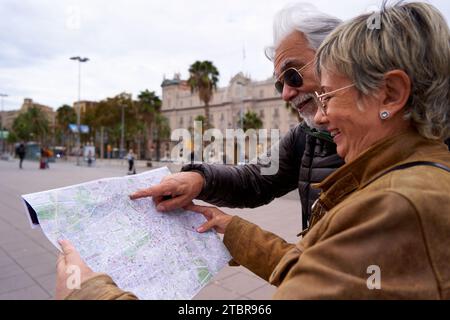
(320, 118)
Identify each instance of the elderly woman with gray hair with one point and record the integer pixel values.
(380, 228)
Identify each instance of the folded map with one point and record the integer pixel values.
(154, 255)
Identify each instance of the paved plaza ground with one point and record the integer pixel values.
(28, 259)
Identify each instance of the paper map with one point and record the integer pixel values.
(154, 255)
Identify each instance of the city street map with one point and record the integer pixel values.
(154, 255)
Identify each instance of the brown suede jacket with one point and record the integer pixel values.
(397, 225)
(100, 287)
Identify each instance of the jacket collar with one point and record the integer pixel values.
(380, 157)
(323, 135)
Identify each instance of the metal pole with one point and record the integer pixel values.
(79, 59)
(78, 114)
(102, 147)
(122, 133)
(2, 95)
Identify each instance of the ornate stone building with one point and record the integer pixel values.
(10, 116)
(48, 111)
(181, 106)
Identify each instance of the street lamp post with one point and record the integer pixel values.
(123, 97)
(80, 60)
(122, 133)
(2, 95)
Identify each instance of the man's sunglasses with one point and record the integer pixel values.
(292, 77)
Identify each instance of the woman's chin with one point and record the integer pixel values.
(341, 151)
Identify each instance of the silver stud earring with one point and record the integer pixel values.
(384, 115)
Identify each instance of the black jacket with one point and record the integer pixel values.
(245, 186)
(20, 151)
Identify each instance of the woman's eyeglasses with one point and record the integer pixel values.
(292, 77)
(321, 99)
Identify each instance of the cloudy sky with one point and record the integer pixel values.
(133, 44)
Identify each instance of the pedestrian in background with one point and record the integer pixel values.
(89, 158)
(42, 160)
(45, 154)
(20, 151)
(131, 167)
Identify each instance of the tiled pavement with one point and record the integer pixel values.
(27, 258)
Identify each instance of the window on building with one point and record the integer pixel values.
(261, 93)
(261, 114)
(276, 113)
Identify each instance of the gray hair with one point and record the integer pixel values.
(303, 17)
(413, 37)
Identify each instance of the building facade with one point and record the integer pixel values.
(84, 105)
(48, 111)
(181, 106)
(8, 117)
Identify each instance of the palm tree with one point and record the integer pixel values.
(202, 119)
(33, 123)
(65, 115)
(203, 79)
(149, 106)
(252, 121)
(40, 124)
(162, 132)
(21, 127)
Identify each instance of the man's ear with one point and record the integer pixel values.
(397, 89)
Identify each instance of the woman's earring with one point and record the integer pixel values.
(384, 115)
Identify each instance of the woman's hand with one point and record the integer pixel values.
(71, 270)
(217, 219)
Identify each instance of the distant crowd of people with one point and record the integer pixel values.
(45, 154)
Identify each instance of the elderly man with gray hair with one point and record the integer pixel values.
(307, 153)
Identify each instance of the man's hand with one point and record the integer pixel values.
(217, 219)
(182, 187)
(71, 270)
